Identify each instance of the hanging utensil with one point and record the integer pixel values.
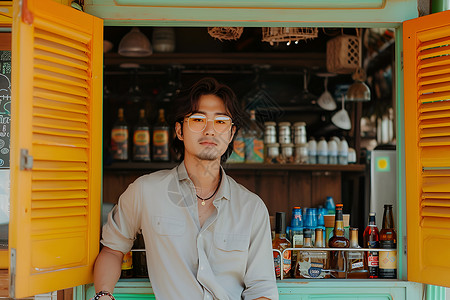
(326, 100)
(341, 119)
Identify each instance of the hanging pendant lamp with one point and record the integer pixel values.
(135, 44)
(359, 91)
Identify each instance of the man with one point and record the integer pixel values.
(206, 237)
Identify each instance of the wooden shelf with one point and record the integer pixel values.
(152, 166)
(307, 60)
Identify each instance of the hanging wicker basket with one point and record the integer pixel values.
(343, 54)
(288, 34)
(225, 33)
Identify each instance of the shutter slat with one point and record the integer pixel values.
(435, 106)
(436, 70)
(58, 96)
(59, 124)
(68, 185)
(55, 153)
(40, 165)
(44, 204)
(435, 87)
(436, 203)
(62, 106)
(44, 175)
(59, 87)
(58, 212)
(63, 51)
(60, 115)
(40, 131)
(59, 39)
(434, 114)
(60, 59)
(433, 62)
(434, 52)
(434, 132)
(432, 79)
(58, 195)
(440, 122)
(59, 77)
(438, 212)
(64, 71)
(74, 33)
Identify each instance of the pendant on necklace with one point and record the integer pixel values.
(203, 203)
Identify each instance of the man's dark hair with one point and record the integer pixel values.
(185, 105)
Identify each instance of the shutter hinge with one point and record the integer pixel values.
(26, 160)
(405, 244)
(12, 271)
(401, 60)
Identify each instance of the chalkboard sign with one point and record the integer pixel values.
(5, 107)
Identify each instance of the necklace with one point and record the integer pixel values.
(204, 199)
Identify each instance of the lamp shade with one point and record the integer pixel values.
(358, 91)
(135, 44)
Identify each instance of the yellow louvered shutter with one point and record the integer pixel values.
(56, 147)
(426, 43)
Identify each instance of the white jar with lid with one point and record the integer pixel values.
(163, 39)
(284, 133)
(270, 133)
(301, 154)
(287, 153)
(299, 129)
(273, 153)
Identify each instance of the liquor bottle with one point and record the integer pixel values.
(127, 266)
(119, 138)
(238, 154)
(371, 240)
(355, 259)
(161, 138)
(311, 264)
(296, 235)
(139, 257)
(388, 240)
(141, 139)
(320, 258)
(254, 141)
(280, 242)
(338, 240)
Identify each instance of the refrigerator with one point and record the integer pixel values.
(381, 182)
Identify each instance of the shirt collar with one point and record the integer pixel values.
(224, 189)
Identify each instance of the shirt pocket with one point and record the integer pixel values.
(231, 241)
(168, 225)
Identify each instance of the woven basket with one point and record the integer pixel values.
(225, 33)
(343, 54)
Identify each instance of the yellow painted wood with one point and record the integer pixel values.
(427, 147)
(57, 110)
(6, 13)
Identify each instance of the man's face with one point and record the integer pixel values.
(209, 143)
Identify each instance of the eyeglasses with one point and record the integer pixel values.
(197, 122)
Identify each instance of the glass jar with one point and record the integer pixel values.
(299, 129)
(284, 132)
(273, 153)
(287, 153)
(270, 133)
(301, 154)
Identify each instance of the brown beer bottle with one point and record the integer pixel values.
(280, 242)
(338, 240)
(388, 240)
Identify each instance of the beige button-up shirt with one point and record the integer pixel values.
(229, 257)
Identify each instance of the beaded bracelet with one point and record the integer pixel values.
(103, 293)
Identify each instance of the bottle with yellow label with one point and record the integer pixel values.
(388, 240)
(127, 266)
(119, 138)
(160, 145)
(141, 139)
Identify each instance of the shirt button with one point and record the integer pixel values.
(201, 268)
